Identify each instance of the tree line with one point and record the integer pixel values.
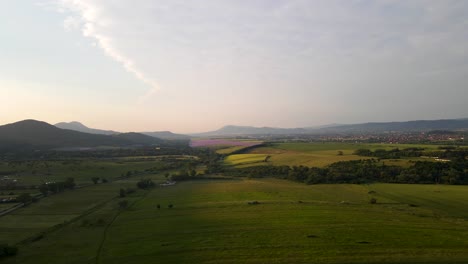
(364, 171)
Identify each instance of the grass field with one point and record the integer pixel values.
(317, 154)
(36, 172)
(224, 146)
(53, 210)
(245, 159)
(212, 222)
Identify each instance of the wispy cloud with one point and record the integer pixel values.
(299, 54)
(91, 19)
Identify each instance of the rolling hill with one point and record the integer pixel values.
(167, 135)
(37, 135)
(249, 130)
(77, 126)
(138, 138)
(408, 126)
(374, 127)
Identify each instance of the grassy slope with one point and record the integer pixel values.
(31, 173)
(52, 210)
(212, 223)
(444, 200)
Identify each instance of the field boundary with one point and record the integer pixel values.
(104, 235)
(56, 227)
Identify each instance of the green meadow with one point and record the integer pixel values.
(217, 222)
(315, 154)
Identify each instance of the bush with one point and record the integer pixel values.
(145, 184)
(373, 201)
(122, 193)
(123, 204)
(24, 198)
(6, 250)
(95, 180)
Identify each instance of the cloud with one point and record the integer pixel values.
(215, 52)
(71, 23)
(94, 22)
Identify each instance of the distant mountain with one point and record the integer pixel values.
(167, 135)
(376, 127)
(138, 138)
(322, 126)
(37, 135)
(407, 126)
(77, 126)
(249, 130)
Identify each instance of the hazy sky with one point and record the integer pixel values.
(190, 66)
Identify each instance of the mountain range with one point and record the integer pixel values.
(37, 135)
(77, 126)
(373, 127)
(407, 126)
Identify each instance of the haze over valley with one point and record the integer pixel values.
(225, 131)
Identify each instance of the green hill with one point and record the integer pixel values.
(37, 135)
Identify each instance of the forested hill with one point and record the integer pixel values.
(77, 126)
(34, 135)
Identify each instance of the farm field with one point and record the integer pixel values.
(318, 154)
(240, 160)
(53, 210)
(224, 146)
(82, 170)
(213, 222)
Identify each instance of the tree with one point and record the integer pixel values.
(69, 183)
(122, 193)
(6, 250)
(340, 153)
(145, 184)
(123, 204)
(24, 198)
(193, 173)
(95, 180)
(44, 189)
(104, 180)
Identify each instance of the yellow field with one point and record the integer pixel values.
(314, 154)
(246, 159)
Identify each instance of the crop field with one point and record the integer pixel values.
(53, 210)
(224, 146)
(319, 154)
(245, 159)
(37, 172)
(213, 222)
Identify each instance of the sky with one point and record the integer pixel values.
(193, 66)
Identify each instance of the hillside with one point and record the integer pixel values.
(374, 127)
(138, 138)
(249, 130)
(417, 125)
(77, 126)
(167, 135)
(37, 135)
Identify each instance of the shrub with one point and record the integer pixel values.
(122, 193)
(123, 204)
(6, 250)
